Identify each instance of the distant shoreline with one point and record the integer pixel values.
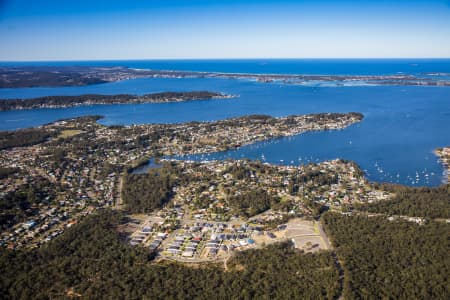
(54, 76)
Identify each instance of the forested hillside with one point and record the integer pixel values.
(415, 202)
(391, 260)
(91, 261)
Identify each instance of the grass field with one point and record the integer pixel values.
(68, 133)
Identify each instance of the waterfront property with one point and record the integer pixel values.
(70, 168)
(397, 117)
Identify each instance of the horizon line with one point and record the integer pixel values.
(221, 58)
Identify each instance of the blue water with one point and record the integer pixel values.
(401, 128)
(273, 66)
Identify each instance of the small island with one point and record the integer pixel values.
(96, 99)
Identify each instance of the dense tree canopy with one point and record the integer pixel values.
(252, 203)
(391, 260)
(90, 260)
(149, 191)
(416, 202)
(24, 137)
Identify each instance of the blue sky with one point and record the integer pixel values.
(78, 30)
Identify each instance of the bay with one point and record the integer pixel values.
(393, 143)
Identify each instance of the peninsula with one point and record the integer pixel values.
(57, 173)
(70, 186)
(95, 99)
(15, 77)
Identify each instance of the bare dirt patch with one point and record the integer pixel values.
(305, 235)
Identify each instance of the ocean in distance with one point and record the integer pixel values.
(394, 142)
(272, 66)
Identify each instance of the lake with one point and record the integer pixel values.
(393, 143)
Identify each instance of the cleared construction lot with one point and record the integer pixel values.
(306, 235)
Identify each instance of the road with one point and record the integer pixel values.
(323, 236)
(118, 202)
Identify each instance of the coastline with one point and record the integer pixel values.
(97, 99)
(444, 157)
(18, 77)
(55, 156)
